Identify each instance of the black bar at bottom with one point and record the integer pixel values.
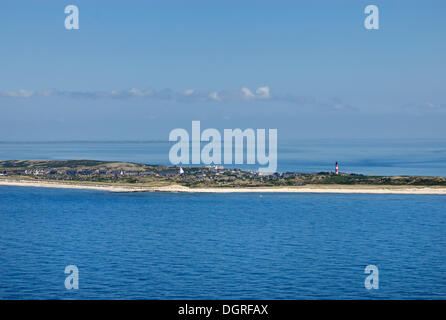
(217, 309)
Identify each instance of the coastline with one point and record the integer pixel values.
(343, 189)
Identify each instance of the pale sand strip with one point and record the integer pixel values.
(366, 189)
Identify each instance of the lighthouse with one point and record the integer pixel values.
(337, 168)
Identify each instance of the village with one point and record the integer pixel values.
(100, 171)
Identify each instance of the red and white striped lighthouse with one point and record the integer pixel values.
(337, 168)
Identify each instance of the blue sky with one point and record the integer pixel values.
(137, 69)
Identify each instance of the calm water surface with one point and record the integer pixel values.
(220, 246)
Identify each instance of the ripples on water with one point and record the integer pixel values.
(220, 246)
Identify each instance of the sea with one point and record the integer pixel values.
(227, 246)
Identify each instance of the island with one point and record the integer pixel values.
(137, 177)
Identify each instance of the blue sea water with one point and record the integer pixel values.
(220, 246)
(227, 246)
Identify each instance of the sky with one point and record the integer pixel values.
(135, 70)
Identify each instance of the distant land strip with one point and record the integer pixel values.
(136, 177)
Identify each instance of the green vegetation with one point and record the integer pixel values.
(106, 172)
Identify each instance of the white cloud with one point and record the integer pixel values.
(135, 92)
(426, 106)
(17, 94)
(214, 96)
(246, 93)
(46, 93)
(192, 95)
(263, 93)
(188, 92)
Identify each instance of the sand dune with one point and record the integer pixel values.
(362, 189)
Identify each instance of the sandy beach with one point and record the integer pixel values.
(361, 189)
